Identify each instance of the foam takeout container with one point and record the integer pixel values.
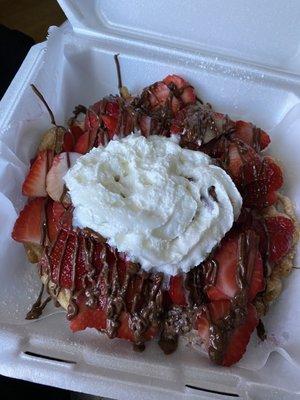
(244, 58)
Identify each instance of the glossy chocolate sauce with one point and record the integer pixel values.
(212, 193)
(201, 125)
(220, 330)
(101, 282)
(38, 307)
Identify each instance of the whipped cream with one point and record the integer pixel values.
(164, 206)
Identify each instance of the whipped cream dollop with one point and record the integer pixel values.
(164, 206)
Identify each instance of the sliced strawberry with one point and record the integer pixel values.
(145, 125)
(124, 330)
(28, 227)
(188, 95)
(54, 180)
(186, 91)
(91, 121)
(58, 211)
(54, 212)
(228, 257)
(111, 124)
(71, 137)
(81, 261)
(280, 235)
(83, 143)
(239, 340)
(77, 129)
(35, 182)
(112, 108)
(68, 144)
(200, 128)
(158, 95)
(233, 338)
(175, 80)
(249, 134)
(89, 318)
(212, 313)
(65, 218)
(56, 256)
(86, 141)
(202, 325)
(177, 125)
(217, 148)
(257, 284)
(176, 290)
(167, 96)
(261, 180)
(96, 318)
(69, 262)
(97, 108)
(249, 220)
(238, 156)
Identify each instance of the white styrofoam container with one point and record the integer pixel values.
(243, 57)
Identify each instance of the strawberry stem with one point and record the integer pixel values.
(117, 62)
(122, 89)
(41, 97)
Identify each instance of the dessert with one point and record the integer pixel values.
(154, 216)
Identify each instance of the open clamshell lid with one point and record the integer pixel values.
(265, 32)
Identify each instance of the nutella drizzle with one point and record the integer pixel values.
(212, 193)
(220, 330)
(147, 307)
(261, 332)
(38, 307)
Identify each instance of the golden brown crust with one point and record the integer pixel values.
(64, 295)
(33, 252)
(52, 139)
(284, 267)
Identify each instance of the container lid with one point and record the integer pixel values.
(265, 32)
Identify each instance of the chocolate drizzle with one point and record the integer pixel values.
(212, 193)
(102, 282)
(98, 278)
(178, 321)
(201, 125)
(38, 307)
(151, 311)
(261, 332)
(220, 330)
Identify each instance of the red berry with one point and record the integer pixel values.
(35, 182)
(280, 235)
(234, 336)
(261, 179)
(252, 136)
(176, 290)
(227, 260)
(28, 226)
